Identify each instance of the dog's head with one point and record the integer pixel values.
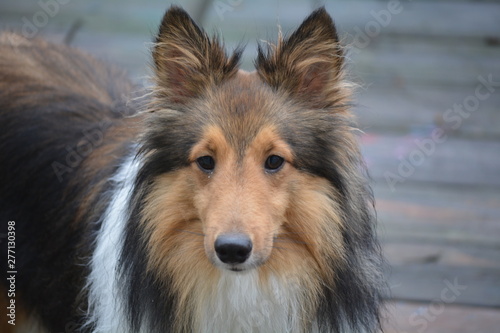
(251, 165)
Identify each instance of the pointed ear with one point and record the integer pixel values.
(308, 65)
(186, 60)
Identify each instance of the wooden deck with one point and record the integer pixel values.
(435, 169)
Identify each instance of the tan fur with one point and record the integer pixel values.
(176, 241)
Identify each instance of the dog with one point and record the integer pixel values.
(219, 201)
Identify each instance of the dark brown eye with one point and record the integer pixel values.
(206, 163)
(274, 163)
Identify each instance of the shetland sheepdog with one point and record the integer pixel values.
(219, 201)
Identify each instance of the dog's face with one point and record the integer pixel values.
(243, 177)
(249, 174)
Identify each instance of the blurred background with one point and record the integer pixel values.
(428, 104)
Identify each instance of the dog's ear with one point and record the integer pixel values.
(186, 60)
(308, 65)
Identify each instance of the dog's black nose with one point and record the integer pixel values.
(233, 248)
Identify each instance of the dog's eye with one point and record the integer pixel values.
(274, 163)
(206, 163)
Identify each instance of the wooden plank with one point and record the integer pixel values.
(394, 160)
(402, 252)
(419, 110)
(432, 233)
(406, 61)
(443, 18)
(446, 18)
(478, 286)
(420, 272)
(430, 213)
(406, 317)
(431, 18)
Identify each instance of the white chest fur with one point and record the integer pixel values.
(242, 303)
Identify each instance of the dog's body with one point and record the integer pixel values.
(235, 202)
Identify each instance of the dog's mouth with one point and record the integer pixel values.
(237, 268)
(251, 263)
